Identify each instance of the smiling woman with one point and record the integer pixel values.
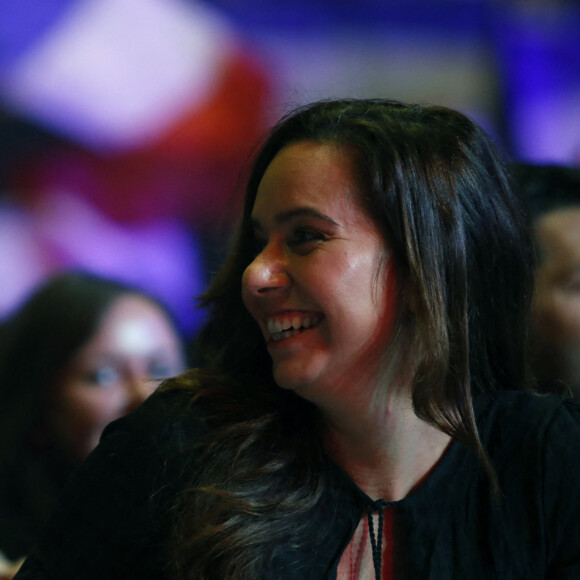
(360, 409)
(320, 248)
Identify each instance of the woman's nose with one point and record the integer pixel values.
(267, 272)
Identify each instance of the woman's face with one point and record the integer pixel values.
(557, 299)
(321, 288)
(113, 373)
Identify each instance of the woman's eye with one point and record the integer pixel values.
(104, 376)
(302, 237)
(160, 370)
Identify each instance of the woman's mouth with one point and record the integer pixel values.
(287, 327)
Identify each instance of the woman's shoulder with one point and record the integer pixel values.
(521, 410)
(534, 444)
(513, 423)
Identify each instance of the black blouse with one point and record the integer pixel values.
(115, 517)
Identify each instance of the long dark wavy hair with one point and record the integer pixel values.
(437, 186)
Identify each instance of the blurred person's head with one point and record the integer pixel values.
(553, 195)
(79, 353)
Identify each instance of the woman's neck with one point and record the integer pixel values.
(383, 445)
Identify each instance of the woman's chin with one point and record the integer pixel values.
(291, 379)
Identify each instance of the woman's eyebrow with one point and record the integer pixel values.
(286, 216)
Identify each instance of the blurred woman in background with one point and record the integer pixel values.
(80, 352)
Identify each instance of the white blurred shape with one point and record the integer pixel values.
(115, 73)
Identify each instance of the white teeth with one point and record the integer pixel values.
(284, 334)
(288, 327)
(278, 325)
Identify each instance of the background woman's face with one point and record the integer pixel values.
(113, 373)
(557, 303)
(321, 287)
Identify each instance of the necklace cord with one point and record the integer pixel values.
(376, 541)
